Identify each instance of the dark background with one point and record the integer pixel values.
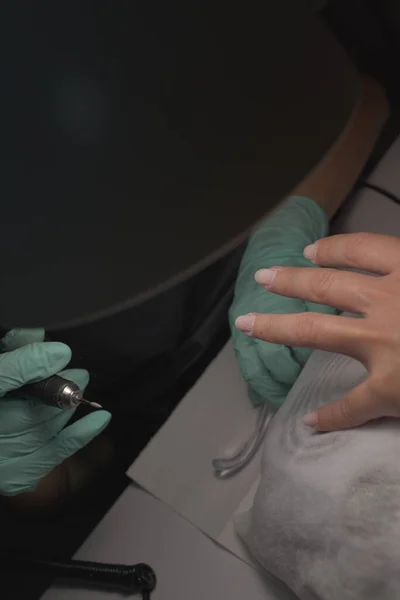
(147, 380)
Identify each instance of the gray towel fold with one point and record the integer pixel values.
(326, 517)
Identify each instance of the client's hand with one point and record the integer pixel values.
(373, 340)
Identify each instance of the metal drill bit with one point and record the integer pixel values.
(57, 391)
(92, 404)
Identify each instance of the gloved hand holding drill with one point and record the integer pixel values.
(34, 437)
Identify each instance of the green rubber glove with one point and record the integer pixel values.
(271, 369)
(34, 438)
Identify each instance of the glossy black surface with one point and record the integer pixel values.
(140, 139)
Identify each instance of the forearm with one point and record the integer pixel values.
(331, 181)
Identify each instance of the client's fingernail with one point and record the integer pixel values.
(310, 251)
(245, 323)
(311, 419)
(265, 277)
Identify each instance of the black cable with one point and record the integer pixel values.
(134, 579)
(381, 190)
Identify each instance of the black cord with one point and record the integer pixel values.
(381, 190)
(134, 579)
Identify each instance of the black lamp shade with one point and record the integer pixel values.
(142, 139)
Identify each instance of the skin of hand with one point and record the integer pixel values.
(374, 340)
(330, 182)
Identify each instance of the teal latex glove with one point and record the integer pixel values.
(34, 438)
(271, 369)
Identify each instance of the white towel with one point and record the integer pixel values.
(326, 517)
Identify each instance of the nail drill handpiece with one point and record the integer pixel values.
(57, 391)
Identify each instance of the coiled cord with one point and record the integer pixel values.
(381, 190)
(227, 467)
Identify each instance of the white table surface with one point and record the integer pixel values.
(189, 566)
(141, 528)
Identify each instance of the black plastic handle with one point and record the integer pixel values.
(136, 579)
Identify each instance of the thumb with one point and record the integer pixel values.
(356, 408)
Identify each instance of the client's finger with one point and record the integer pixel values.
(369, 251)
(356, 408)
(341, 289)
(308, 330)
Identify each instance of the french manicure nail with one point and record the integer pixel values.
(265, 277)
(245, 323)
(310, 252)
(311, 419)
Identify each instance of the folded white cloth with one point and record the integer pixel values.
(326, 517)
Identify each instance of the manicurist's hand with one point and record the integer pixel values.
(373, 340)
(35, 438)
